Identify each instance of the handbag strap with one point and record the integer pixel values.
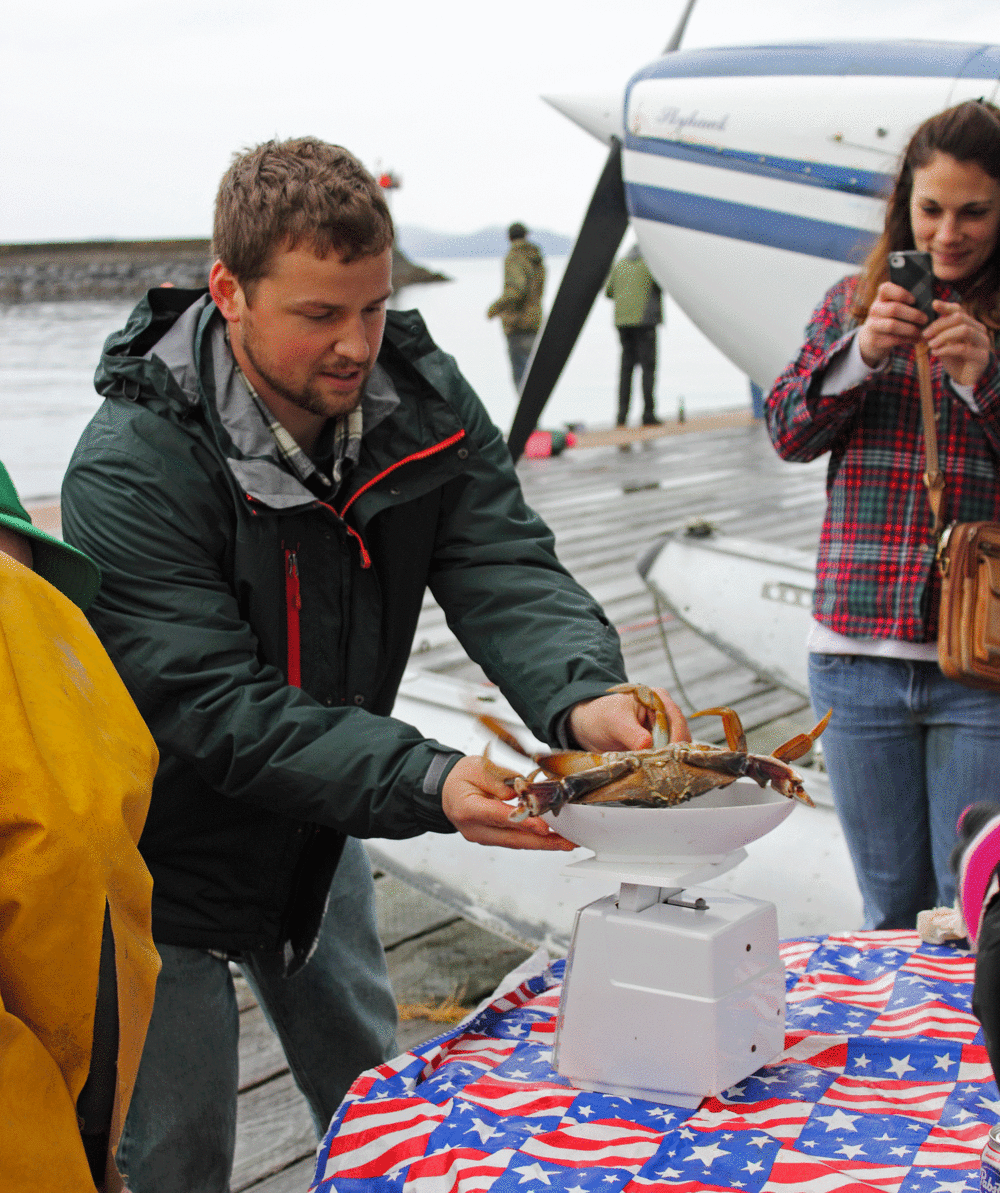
(933, 479)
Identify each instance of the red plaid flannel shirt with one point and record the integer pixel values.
(875, 574)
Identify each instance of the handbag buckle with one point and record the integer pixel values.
(942, 559)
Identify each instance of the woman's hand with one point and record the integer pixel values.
(961, 344)
(893, 322)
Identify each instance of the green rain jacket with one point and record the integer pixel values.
(263, 634)
(520, 305)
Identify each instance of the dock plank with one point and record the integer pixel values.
(273, 1131)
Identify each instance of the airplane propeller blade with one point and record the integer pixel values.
(675, 38)
(587, 270)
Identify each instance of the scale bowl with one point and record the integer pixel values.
(705, 829)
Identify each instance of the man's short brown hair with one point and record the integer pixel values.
(283, 193)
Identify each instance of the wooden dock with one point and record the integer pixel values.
(606, 500)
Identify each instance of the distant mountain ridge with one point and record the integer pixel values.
(487, 242)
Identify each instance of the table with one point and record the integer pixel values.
(884, 1084)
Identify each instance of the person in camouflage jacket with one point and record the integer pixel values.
(520, 304)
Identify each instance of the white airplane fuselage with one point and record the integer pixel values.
(755, 176)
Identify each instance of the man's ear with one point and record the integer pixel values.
(224, 289)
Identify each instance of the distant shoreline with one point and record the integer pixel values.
(61, 271)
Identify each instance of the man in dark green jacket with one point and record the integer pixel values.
(279, 470)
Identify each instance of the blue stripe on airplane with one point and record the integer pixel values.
(786, 169)
(916, 59)
(756, 225)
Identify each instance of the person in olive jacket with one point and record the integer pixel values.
(279, 470)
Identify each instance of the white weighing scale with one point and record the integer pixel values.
(672, 992)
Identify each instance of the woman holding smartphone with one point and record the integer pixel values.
(907, 749)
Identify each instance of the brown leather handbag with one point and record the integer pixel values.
(968, 558)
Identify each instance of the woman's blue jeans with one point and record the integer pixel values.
(906, 750)
(335, 1018)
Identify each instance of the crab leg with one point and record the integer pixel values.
(795, 747)
(736, 739)
(651, 700)
(550, 794)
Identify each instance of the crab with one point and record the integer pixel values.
(667, 774)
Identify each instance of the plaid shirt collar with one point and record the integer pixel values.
(346, 444)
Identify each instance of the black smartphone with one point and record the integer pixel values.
(913, 271)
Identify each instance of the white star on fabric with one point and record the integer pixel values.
(943, 1062)
(990, 1104)
(770, 1080)
(760, 1140)
(753, 1166)
(862, 1061)
(519, 1074)
(839, 1121)
(735, 1092)
(483, 1130)
(612, 1179)
(850, 1150)
(899, 1151)
(533, 1172)
(884, 1137)
(686, 1133)
(531, 1128)
(515, 1029)
(949, 1187)
(708, 1154)
(661, 1112)
(576, 1189)
(669, 1173)
(586, 1111)
(963, 1114)
(901, 1066)
(809, 1143)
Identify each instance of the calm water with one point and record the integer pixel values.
(48, 352)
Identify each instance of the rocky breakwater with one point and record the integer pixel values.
(127, 269)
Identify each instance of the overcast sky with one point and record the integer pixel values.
(120, 116)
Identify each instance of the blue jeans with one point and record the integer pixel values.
(519, 345)
(335, 1018)
(906, 749)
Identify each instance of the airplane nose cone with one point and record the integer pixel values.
(599, 113)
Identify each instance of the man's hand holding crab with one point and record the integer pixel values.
(473, 791)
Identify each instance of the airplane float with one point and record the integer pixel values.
(753, 178)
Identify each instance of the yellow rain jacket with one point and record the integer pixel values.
(76, 767)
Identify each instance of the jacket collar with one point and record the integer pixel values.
(196, 346)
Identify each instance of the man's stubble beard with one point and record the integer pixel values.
(308, 398)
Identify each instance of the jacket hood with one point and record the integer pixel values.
(173, 349)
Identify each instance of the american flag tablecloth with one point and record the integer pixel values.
(884, 1084)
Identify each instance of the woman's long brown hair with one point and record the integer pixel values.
(969, 132)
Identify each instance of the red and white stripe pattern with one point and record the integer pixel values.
(547, 1137)
(841, 987)
(922, 1100)
(934, 1019)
